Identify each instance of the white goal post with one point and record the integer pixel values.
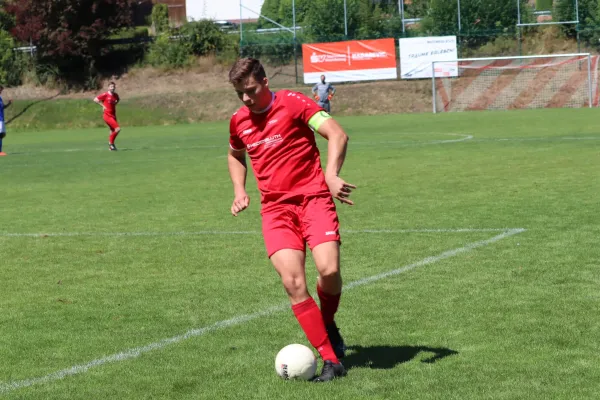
(506, 83)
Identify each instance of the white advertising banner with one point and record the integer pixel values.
(417, 54)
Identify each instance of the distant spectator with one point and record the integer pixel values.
(2, 124)
(323, 93)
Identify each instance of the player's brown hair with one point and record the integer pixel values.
(245, 68)
(112, 83)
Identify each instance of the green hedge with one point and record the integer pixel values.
(271, 49)
(543, 5)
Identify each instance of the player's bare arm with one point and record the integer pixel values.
(8, 103)
(97, 101)
(337, 143)
(238, 170)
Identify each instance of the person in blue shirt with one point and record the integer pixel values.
(2, 123)
(323, 93)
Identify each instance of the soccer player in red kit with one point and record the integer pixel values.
(277, 132)
(109, 101)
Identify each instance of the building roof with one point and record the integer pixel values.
(245, 20)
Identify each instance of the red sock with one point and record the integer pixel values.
(329, 304)
(112, 137)
(309, 316)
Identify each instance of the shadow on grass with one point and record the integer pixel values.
(387, 357)
(28, 106)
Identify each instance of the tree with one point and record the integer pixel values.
(480, 19)
(416, 9)
(325, 20)
(203, 37)
(270, 9)
(7, 21)
(285, 14)
(371, 20)
(167, 53)
(160, 18)
(10, 68)
(588, 14)
(69, 33)
(441, 18)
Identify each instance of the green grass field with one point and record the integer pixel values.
(37, 115)
(471, 261)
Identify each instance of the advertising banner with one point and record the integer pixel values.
(357, 60)
(417, 54)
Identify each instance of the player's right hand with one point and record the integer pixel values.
(340, 189)
(240, 203)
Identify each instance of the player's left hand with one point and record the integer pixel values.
(240, 203)
(340, 189)
(330, 97)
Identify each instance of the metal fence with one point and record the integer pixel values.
(281, 47)
(284, 53)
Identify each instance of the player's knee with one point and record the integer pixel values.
(330, 271)
(117, 130)
(327, 260)
(294, 285)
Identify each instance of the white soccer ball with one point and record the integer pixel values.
(296, 361)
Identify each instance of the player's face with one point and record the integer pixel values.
(112, 88)
(323, 78)
(255, 95)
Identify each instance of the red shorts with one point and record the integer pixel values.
(293, 224)
(111, 122)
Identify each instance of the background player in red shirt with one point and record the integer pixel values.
(109, 101)
(277, 132)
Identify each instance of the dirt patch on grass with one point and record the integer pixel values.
(141, 82)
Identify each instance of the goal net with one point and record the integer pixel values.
(506, 83)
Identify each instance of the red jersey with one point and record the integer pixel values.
(110, 102)
(281, 146)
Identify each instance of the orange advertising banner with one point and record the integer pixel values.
(355, 60)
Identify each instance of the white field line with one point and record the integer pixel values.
(472, 139)
(429, 230)
(125, 234)
(541, 139)
(402, 143)
(462, 138)
(399, 143)
(433, 259)
(215, 232)
(105, 149)
(240, 319)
